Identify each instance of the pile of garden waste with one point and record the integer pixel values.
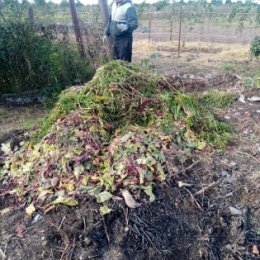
(111, 137)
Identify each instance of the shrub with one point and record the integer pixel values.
(255, 47)
(34, 59)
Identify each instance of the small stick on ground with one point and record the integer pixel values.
(65, 239)
(52, 255)
(64, 217)
(2, 254)
(153, 245)
(211, 185)
(105, 227)
(6, 244)
(65, 251)
(194, 199)
(249, 155)
(190, 166)
(246, 222)
(71, 252)
(84, 222)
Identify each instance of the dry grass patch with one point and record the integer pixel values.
(20, 118)
(218, 50)
(196, 57)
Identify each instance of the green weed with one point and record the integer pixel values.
(29, 123)
(257, 80)
(216, 99)
(3, 114)
(249, 83)
(228, 66)
(255, 47)
(214, 132)
(179, 104)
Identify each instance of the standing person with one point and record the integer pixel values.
(123, 21)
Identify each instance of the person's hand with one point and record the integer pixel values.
(105, 39)
(122, 27)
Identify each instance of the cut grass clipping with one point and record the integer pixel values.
(113, 133)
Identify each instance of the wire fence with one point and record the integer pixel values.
(203, 26)
(213, 27)
(182, 25)
(58, 34)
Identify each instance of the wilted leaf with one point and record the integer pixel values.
(64, 162)
(19, 230)
(5, 211)
(129, 200)
(54, 181)
(43, 194)
(255, 250)
(190, 135)
(27, 167)
(30, 209)
(126, 137)
(66, 201)
(6, 148)
(166, 138)
(103, 196)
(78, 169)
(70, 186)
(114, 145)
(106, 180)
(200, 145)
(84, 180)
(104, 210)
(80, 134)
(149, 192)
(162, 175)
(81, 158)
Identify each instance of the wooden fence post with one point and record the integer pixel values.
(171, 29)
(105, 17)
(104, 11)
(150, 28)
(76, 26)
(30, 16)
(179, 40)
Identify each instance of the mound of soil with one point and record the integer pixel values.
(176, 226)
(190, 219)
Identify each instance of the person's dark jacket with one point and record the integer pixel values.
(124, 13)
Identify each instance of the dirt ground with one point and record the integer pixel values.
(209, 208)
(197, 58)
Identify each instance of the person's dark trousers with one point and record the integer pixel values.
(122, 47)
